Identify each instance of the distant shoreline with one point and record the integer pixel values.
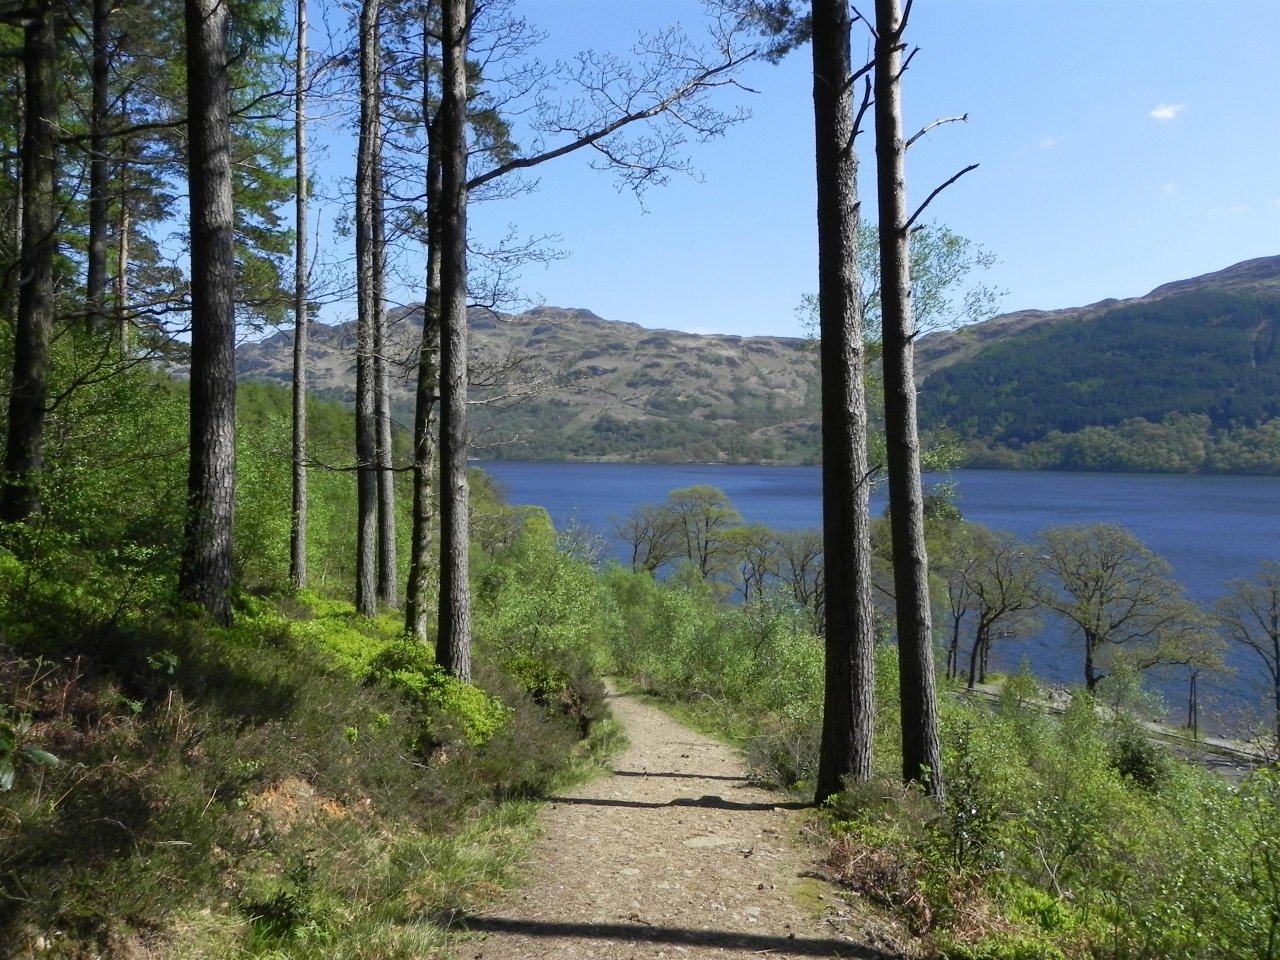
(985, 468)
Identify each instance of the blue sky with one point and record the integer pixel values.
(1121, 145)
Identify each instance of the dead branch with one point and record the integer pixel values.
(938, 190)
(963, 118)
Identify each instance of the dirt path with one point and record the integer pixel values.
(673, 855)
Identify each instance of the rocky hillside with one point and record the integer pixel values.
(566, 384)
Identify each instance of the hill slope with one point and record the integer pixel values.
(594, 388)
(1185, 378)
(1176, 380)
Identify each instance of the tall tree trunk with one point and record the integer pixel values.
(298, 528)
(29, 389)
(921, 752)
(366, 307)
(849, 707)
(953, 648)
(122, 265)
(12, 233)
(975, 655)
(453, 637)
(428, 383)
(205, 576)
(1193, 705)
(424, 446)
(388, 573)
(1091, 677)
(96, 274)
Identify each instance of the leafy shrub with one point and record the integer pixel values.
(1001, 946)
(532, 599)
(1139, 760)
(409, 667)
(784, 753)
(16, 754)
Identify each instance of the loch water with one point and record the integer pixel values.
(1211, 529)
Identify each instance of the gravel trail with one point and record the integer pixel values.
(673, 855)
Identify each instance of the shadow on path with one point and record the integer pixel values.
(713, 803)
(749, 943)
(679, 776)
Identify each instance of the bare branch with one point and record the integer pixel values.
(937, 190)
(669, 77)
(857, 15)
(905, 64)
(867, 100)
(963, 118)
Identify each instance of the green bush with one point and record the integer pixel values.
(448, 704)
(536, 601)
(1001, 946)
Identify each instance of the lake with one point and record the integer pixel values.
(1210, 528)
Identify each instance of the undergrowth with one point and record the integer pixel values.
(306, 785)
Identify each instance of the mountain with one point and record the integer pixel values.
(566, 384)
(1185, 378)
(937, 351)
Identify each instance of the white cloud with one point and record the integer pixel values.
(1047, 142)
(1167, 111)
(1170, 189)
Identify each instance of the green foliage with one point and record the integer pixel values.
(1061, 836)
(409, 667)
(759, 660)
(16, 753)
(1002, 946)
(1120, 598)
(288, 786)
(545, 617)
(535, 600)
(292, 909)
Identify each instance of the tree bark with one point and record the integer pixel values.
(96, 272)
(953, 648)
(298, 527)
(976, 654)
(921, 751)
(366, 309)
(1091, 677)
(849, 709)
(428, 383)
(11, 235)
(205, 576)
(453, 638)
(29, 388)
(122, 265)
(388, 572)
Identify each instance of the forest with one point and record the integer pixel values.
(283, 679)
